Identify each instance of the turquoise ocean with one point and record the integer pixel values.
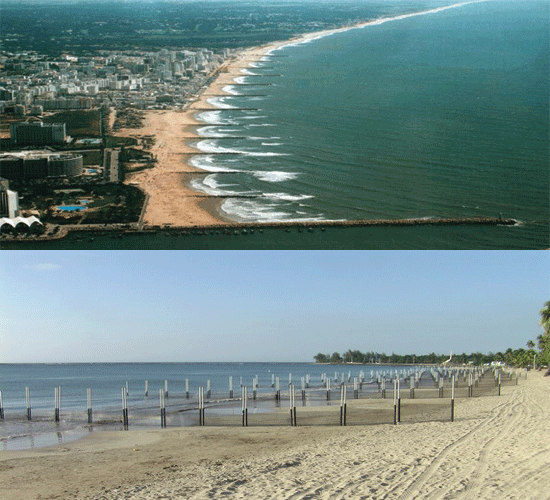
(443, 113)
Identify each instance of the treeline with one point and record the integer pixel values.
(522, 358)
(518, 357)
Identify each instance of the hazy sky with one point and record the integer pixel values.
(265, 306)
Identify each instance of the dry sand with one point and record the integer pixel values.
(498, 447)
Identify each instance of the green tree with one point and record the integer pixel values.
(544, 337)
(336, 358)
(321, 358)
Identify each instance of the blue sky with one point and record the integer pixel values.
(265, 306)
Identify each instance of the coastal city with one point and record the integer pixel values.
(61, 161)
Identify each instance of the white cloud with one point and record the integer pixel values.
(47, 266)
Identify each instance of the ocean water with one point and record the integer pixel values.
(108, 379)
(442, 114)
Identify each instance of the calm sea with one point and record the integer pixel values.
(442, 114)
(108, 379)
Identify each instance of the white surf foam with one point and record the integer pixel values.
(219, 102)
(240, 79)
(214, 118)
(211, 146)
(287, 197)
(275, 176)
(210, 185)
(210, 131)
(209, 164)
(231, 90)
(261, 211)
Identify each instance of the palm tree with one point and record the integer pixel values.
(544, 338)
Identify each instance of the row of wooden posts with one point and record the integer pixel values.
(357, 386)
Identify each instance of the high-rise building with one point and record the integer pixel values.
(37, 133)
(9, 201)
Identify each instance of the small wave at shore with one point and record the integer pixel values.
(261, 211)
(275, 176)
(211, 146)
(231, 90)
(208, 163)
(219, 102)
(215, 118)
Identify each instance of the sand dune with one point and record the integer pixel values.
(498, 447)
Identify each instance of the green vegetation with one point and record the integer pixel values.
(544, 337)
(81, 123)
(83, 28)
(522, 358)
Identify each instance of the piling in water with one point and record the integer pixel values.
(89, 404)
(28, 403)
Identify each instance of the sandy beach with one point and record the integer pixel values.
(498, 447)
(170, 201)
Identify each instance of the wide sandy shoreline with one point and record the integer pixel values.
(498, 447)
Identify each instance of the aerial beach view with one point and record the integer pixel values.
(350, 125)
(459, 426)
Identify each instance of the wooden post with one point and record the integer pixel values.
(89, 404)
(56, 404)
(343, 404)
(292, 405)
(1, 406)
(453, 400)
(201, 406)
(499, 383)
(255, 387)
(162, 408)
(127, 389)
(398, 400)
(411, 386)
(231, 387)
(303, 387)
(394, 403)
(244, 406)
(277, 389)
(187, 388)
(28, 402)
(208, 391)
(272, 380)
(307, 381)
(328, 389)
(146, 388)
(289, 379)
(355, 388)
(441, 382)
(166, 388)
(125, 408)
(383, 385)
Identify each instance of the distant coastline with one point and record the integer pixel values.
(171, 199)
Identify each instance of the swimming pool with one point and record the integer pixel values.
(70, 208)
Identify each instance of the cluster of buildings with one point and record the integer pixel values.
(32, 84)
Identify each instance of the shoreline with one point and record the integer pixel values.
(500, 442)
(171, 200)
